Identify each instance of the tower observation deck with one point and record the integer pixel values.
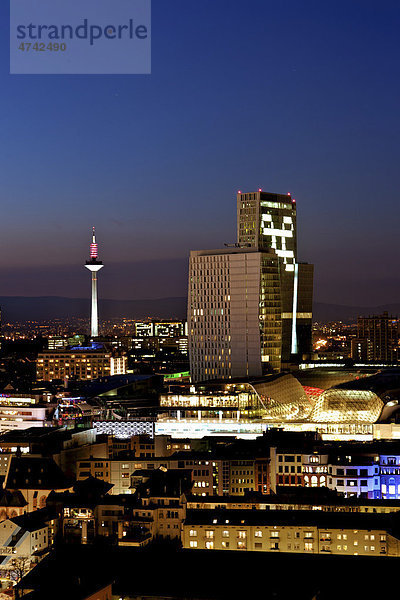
(94, 265)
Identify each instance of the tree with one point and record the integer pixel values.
(20, 566)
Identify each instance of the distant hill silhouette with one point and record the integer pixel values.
(348, 314)
(20, 308)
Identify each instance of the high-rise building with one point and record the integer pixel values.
(250, 305)
(234, 313)
(377, 339)
(94, 265)
(266, 220)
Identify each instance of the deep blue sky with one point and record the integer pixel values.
(299, 97)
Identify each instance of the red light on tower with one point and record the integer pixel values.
(259, 189)
(93, 246)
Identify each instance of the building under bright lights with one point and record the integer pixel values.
(79, 363)
(266, 220)
(247, 407)
(250, 305)
(234, 313)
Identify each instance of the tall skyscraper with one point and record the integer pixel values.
(234, 313)
(250, 305)
(94, 265)
(266, 220)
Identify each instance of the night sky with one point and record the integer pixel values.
(291, 96)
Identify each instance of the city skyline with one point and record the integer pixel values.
(236, 365)
(171, 275)
(295, 111)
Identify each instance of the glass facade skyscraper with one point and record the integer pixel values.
(269, 221)
(250, 304)
(234, 313)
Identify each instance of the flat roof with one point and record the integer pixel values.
(233, 250)
(325, 498)
(294, 518)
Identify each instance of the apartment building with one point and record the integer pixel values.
(212, 475)
(286, 467)
(118, 471)
(94, 467)
(161, 498)
(242, 477)
(366, 471)
(306, 532)
(24, 540)
(389, 469)
(315, 470)
(356, 478)
(377, 339)
(79, 363)
(299, 499)
(155, 508)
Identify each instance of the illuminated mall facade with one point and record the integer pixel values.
(337, 402)
(249, 325)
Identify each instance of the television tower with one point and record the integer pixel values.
(94, 265)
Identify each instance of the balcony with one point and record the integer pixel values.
(135, 541)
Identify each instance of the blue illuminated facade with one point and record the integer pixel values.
(390, 476)
(93, 346)
(372, 475)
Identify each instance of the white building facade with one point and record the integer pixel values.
(234, 313)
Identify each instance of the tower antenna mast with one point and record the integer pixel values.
(94, 265)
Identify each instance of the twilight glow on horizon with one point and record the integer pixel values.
(242, 96)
